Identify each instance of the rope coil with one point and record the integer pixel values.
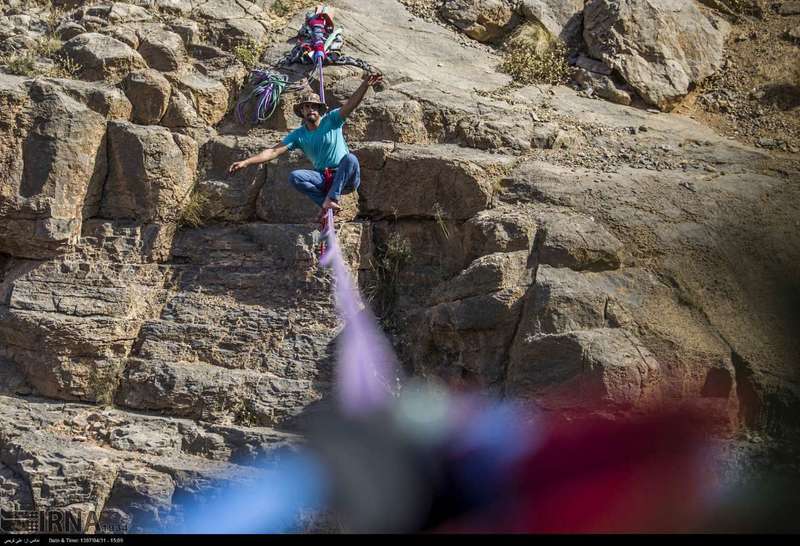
(266, 86)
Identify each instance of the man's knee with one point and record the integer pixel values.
(295, 178)
(349, 161)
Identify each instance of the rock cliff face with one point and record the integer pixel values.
(164, 325)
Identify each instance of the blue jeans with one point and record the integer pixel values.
(346, 180)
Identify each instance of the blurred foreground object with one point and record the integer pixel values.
(437, 461)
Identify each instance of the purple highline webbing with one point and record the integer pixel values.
(366, 363)
(321, 82)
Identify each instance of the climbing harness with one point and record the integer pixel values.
(318, 44)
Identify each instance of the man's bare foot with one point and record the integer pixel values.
(330, 204)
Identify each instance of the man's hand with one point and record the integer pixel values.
(368, 80)
(372, 79)
(237, 166)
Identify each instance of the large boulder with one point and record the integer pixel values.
(231, 23)
(440, 182)
(465, 335)
(584, 370)
(162, 49)
(660, 47)
(578, 242)
(52, 166)
(229, 197)
(151, 173)
(108, 101)
(561, 18)
(209, 96)
(482, 20)
(102, 57)
(180, 112)
(149, 93)
(501, 229)
(490, 273)
(564, 306)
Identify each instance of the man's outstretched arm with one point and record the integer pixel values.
(267, 155)
(356, 98)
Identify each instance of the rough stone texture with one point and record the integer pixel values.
(68, 30)
(67, 322)
(110, 102)
(180, 112)
(577, 242)
(102, 57)
(230, 197)
(483, 20)
(486, 274)
(117, 12)
(412, 180)
(52, 168)
(188, 30)
(124, 34)
(117, 465)
(233, 22)
(151, 172)
(209, 96)
(465, 336)
(149, 93)
(278, 362)
(468, 339)
(604, 87)
(583, 369)
(560, 18)
(20, 31)
(210, 393)
(437, 117)
(162, 49)
(666, 228)
(502, 229)
(548, 136)
(660, 47)
(789, 8)
(220, 65)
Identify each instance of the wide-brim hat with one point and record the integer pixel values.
(309, 98)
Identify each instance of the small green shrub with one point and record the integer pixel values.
(65, 68)
(529, 65)
(249, 53)
(282, 8)
(390, 259)
(441, 219)
(192, 214)
(20, 64)
(47, 46)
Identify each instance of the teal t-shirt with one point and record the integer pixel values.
(325, 147)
